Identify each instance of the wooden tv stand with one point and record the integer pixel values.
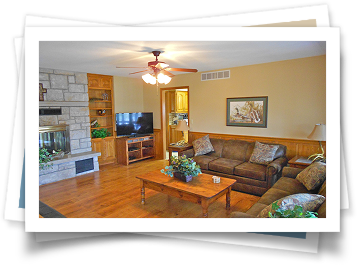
(132, 149)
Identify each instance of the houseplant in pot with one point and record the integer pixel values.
(182, 168)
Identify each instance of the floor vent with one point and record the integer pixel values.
(215, 75)
(84, 165)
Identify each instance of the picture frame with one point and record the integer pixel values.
(247, 112)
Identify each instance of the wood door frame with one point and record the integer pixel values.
(163, 110)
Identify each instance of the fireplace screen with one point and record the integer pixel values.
(54, 138)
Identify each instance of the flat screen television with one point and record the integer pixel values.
(134, 124)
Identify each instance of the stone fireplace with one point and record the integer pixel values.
(64, 121)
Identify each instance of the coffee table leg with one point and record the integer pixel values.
(204, 205)
(142, 191)
(228, 199)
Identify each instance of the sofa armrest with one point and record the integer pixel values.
(241, 215)
(276, 166)
(189, 153)
(291, 172)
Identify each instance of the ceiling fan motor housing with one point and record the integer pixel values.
(156, 53)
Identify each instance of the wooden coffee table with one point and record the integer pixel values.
(201, 190)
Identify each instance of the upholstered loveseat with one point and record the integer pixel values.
(285, 186)
(230, 159)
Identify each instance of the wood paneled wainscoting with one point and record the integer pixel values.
(294, 146)
(159, 148)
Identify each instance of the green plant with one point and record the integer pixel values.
(45, 157)
(182, 164)
(102, 133)
(297, 212)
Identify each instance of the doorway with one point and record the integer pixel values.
(174, 108)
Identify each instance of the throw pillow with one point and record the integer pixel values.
(202, 146)
(313, 176)
(309, 202)
(263, 153)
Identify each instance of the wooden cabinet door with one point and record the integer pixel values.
(99, 81)
(94, 80)
(179, 101)
(97, 147)
(109, 146)
(106, 147)
(185, 102)
(106, 82)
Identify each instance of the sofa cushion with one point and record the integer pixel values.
(309, 202)
(321, 212)
(272, 195)
(263, 153)
(281, 151)
(256, 208)
(313, 176)
(235, 149)
(250, 170)
(224, 165)
(202, 146)
(204, 160)
(217, 146)
(290, 185)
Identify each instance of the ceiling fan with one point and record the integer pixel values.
(159, 71)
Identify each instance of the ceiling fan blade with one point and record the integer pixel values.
(182, 70)
(167, 73)
(139, 72)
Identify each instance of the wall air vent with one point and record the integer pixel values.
(215, 75)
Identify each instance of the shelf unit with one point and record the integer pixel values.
(130, 150)
(97, 86)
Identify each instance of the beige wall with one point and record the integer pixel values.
(296, 91)
(128, 94)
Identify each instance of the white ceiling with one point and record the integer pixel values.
(102, 57)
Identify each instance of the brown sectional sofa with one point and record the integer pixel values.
(230, 159)
(285, 186)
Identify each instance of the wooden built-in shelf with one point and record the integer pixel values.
(97, 86)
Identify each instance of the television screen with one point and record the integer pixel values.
(134, 124)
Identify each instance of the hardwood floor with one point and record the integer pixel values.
(114, 192)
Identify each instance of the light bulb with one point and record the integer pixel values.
(149, 79)
(163, 79)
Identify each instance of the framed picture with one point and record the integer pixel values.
(247, 112)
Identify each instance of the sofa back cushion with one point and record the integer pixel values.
(280, 152)
(235, 149)
(217, 146)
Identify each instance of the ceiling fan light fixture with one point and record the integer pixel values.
(163, 79)
(149, 79)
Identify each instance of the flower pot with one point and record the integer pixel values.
(182, 177)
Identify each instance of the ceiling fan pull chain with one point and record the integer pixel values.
(157, 87)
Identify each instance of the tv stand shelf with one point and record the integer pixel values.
(132, 149)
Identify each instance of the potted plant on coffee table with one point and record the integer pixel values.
(182, 168)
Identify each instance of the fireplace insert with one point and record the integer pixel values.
(55, 137)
